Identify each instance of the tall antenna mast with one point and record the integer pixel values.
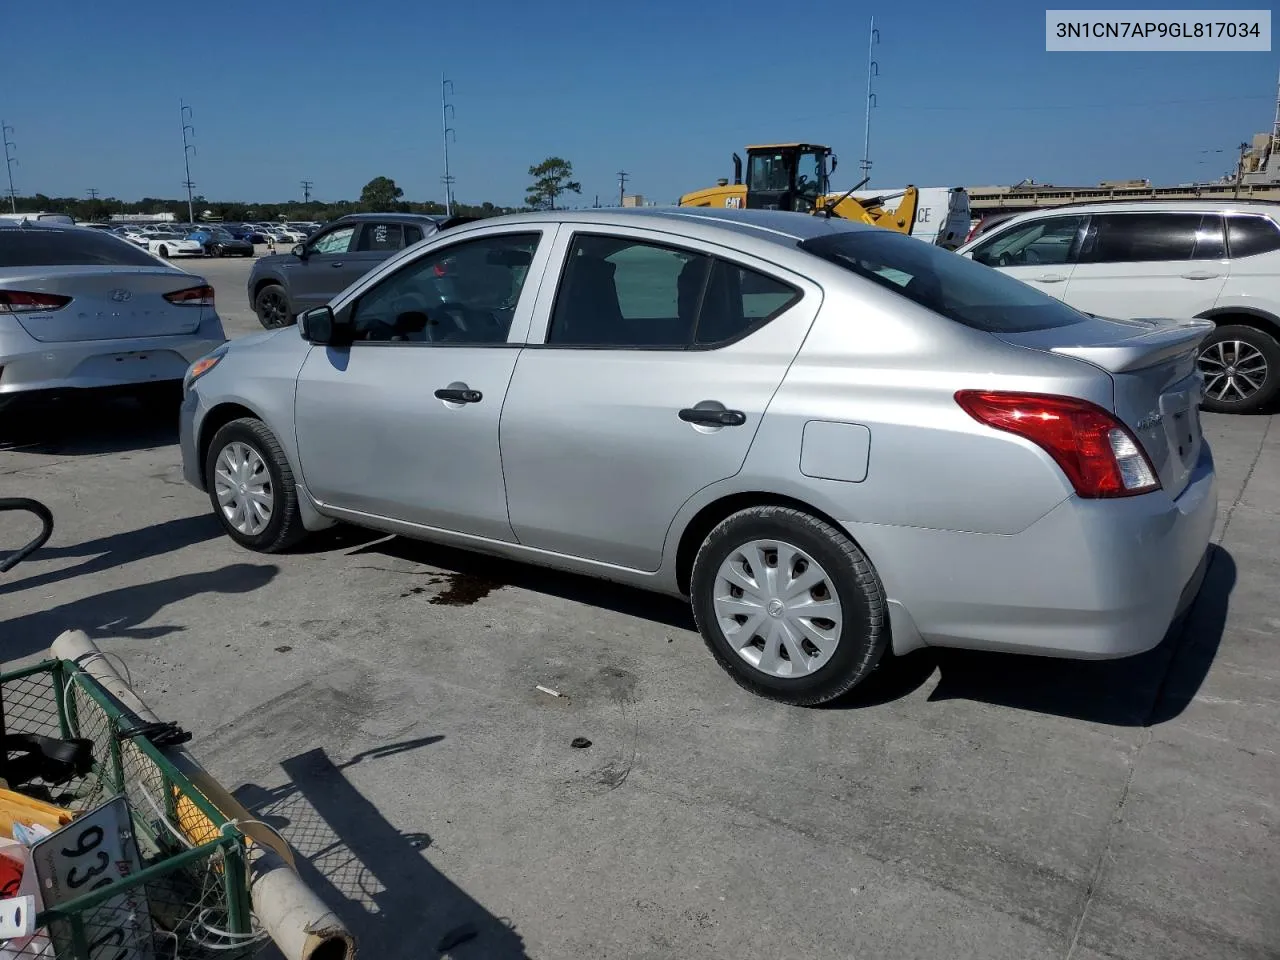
(10, 161)
(446, 110)
(873, 70)
(1275, 124)
(188, 148)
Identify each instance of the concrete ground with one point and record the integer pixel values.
(375, 698)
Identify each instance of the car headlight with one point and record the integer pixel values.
(203, 366)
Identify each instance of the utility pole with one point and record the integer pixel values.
(188, 149)
(623, 177)
(873, 70)
(306, 190)
(1240, 169)
(93, 194)
(10, 161)
(446, 109)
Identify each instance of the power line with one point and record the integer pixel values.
(306, 190)
(623, 177)
(10, 161)
(188, 149)
(446, 109)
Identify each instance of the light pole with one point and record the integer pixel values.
(188, 149)
(446, 109)
(10, 161)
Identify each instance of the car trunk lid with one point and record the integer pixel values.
(107, 303)
(1157, 385)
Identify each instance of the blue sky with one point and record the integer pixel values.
(339, 92)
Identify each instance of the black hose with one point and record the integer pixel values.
(46, 529)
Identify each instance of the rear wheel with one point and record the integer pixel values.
(1241, 367)
(163, 252)
(272, 307)
(251, 487)
(788, 605)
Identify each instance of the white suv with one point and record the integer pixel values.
(1214, 259)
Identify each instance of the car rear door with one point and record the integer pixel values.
(649, 368)
(315, 278)
(1158, 264)
(1040, 252)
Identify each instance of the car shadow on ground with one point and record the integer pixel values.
(121, 613)
(78, 426)
(113, 551)
(1135, 691)
(1143, 690)
(391, 898)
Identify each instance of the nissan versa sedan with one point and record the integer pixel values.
(84, 309)
(833, 439)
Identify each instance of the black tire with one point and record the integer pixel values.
(284, 529)
(163, 252)
(216, 250)
(864, 635)
(1219, 348)
(272, 307)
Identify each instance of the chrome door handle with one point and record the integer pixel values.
(1201, 275)
(1050, 278)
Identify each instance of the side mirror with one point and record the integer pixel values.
(322, 327)
(299, 251)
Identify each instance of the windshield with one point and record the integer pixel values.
(952, 286)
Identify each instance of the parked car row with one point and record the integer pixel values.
(832, 439)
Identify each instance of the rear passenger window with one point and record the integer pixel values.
(1210, 244)
(382, 236)
(1249, 236)
(622, 293)
(1141, 237)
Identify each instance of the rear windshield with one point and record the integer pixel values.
(953, 286)
(68, 248)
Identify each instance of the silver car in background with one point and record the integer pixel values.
(833, 439)
(84, 309)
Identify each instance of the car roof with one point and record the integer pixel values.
(725, 225)
(409, 217)
(1207, 205)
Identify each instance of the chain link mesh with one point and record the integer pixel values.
(185, 912)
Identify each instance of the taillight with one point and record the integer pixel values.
(1096, 451)
(17, 301)
(192, 297)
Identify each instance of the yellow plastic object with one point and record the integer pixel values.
(18, 807)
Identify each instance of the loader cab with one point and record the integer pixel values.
(788, 176)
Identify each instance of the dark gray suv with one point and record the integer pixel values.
(333, 258)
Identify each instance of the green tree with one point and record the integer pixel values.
(552, 177)
(380, 195)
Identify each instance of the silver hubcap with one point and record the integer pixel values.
(777, 608)
(242, 485)
(1233, 370)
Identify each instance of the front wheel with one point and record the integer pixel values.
(788, 605)
(272, 307)
(163, 252)
(251, 487)
(1241, 367)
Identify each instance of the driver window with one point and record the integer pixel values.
(769, 172)
(462, 294)
(336, 241)
(1047, 241)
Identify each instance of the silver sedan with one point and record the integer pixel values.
(833, 439)
(83, 309)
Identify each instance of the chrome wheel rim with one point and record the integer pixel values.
(1233, 370)
(777, 608)
(242, 485)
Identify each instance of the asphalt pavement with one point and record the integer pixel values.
(377, 700)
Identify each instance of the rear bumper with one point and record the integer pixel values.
(1093, 579)
(27, 365)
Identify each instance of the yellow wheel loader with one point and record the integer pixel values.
(796, 176)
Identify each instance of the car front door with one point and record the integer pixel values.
(403, 424)
(314, 278)
(647, 374)
(1149, 265)
(1039, 252)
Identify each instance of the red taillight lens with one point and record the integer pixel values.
(1096, 451)
(192, 296)
(17, 301)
